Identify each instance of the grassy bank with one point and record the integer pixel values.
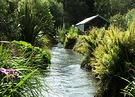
(110, 55)
(20, 66)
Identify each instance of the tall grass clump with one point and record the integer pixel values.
(129, 90)
(17, 76)
(92, 40)
(43, 41)
(112, 59)
(61, 34)
(71, 38)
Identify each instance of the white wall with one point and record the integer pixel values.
(81, 27)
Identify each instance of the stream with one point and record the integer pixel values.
(66, 78)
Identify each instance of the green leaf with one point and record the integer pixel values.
(22, 81)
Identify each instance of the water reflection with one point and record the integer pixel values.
(66, 78)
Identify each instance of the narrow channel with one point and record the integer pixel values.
(66, 78)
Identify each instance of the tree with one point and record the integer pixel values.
(90, 4)
(108, 8)
(102, 7)
(7, 17)
(56, 9)
(129, 17)
(74, 11)
(3, 11)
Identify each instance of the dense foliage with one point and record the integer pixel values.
(19, 76)
(71, 38)
(25, 20)
(108, 53)
(108, 8)
(33, 17)
(110, 56)
(57, 11)
(38, 57)
(76, 10)
(53, 14)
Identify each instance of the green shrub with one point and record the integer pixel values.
(43, 41)
(129, 17)
(37, 56)
(71, 38)
(61, 34)
(81, 45)
(118, 21)
(112, 59)
(92, 41)
(34, 17)
(129, 90)
(17, 77)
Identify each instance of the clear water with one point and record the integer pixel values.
(66, 78)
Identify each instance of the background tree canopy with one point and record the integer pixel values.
(57, 11)
(108, 8)
(26, 19)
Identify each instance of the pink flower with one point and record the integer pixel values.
(3, 71)
(6, 72)
(10, 71)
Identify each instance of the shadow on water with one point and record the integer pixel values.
(66, 78)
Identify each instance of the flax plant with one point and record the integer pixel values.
(129, 90)
(38, 57)
(4, 54)
(33, 17)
